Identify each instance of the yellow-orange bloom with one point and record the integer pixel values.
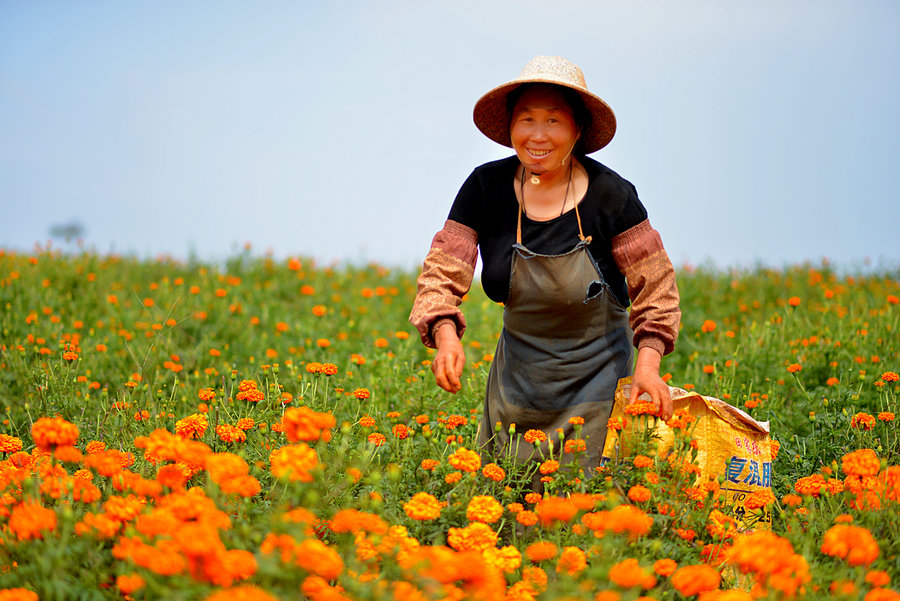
(484, 508)
(474, 537)
(695, 579)
(31, 520)
(853, 543)
(863, 462)
(628, 574)
(304, 424)
(572, 561)
(465, 460)
(423, 506)
(294, 462)
(49, 433)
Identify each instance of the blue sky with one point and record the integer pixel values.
(755, 132)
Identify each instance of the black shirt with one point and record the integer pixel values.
(487, 204)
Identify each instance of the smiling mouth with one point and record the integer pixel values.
(539, 153)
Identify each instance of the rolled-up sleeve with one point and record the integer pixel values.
(655, 314)
(446, 277)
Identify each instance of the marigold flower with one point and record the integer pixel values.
(540, 551)
(10, 444)
(423, 506)
(352, 520)
(863, 462)
(429, 464)
(572, 561)
(17, 594)
(640, 407)
(246, 423)
(49, 433)
(853, 543)
(453, 477)
(465, 460)
(304, 424)
(294, 462)
(494, 472)
(506, 559)
(400, 431)
(794, 368)
(574, 445)
(206, 394)
(759, 499)
(641, 461)
(615, 423)
(192, 426)
(532, 436)
(862, 421)
(527, 518)
(886, 416)
(638, 493)
(695, 579)
(29, 520)
(890, 376)
(377, 439)
(555, 509)
(484, 508)
(474, 537)
(878, 578)
(665, 567)
(533, 498)
(228, 433)
(810, 485)
(549, 467)
(622, 519)
(628, 574)
(129, 583)
(362, 393)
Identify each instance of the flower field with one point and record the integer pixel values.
(268, 429)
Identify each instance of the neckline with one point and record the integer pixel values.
(586, 162)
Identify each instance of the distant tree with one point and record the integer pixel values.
(69, 231)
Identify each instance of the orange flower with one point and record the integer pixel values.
(465, 460)
(863, 462)
(641, 461)
(548, 467)
(352, 520)
(810, 485)
(400, 431)
(695, 579)
(361, 393)
(890, 376)
(304, 424)
(423, 506)
(228, 433)
(484, 508)
(572, 561)
(533, 436)
(377, 439)
(708, 326)
(665, 567)
(17, 594)
(192, 426)
(29, 520)
(49, 433)
(494, 472)
(540, 551)
(474, 537)
(628, 574)
(758, 499)
(555, 509)
(507, 560)
(527, 518)
(862, 421)
(853, 543)
(10, 444)
(129, 583)
(626, 519)
(794, 367)
(642, 408)
(886, 416)
(429, 464)
(294, 462)
(638, 493)
(794, 301)
(574, 445)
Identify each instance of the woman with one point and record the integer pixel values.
(565, 245)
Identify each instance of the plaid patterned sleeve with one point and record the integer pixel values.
(655, 315)
(446, 276)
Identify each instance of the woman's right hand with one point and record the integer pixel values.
(450, 359)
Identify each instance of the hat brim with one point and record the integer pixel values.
(492, 119)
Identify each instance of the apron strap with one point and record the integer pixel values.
(581, 235)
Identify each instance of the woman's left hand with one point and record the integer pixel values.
(646, 379)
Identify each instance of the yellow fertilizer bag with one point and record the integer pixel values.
(731, 444)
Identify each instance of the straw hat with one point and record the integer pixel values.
(492, 117)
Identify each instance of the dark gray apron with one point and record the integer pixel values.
(565, 344)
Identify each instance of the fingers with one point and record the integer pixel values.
(447, 370)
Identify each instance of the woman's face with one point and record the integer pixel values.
(543, 129)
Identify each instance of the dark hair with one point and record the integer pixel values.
(573, 99)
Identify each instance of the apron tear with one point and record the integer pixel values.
(594, 290)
